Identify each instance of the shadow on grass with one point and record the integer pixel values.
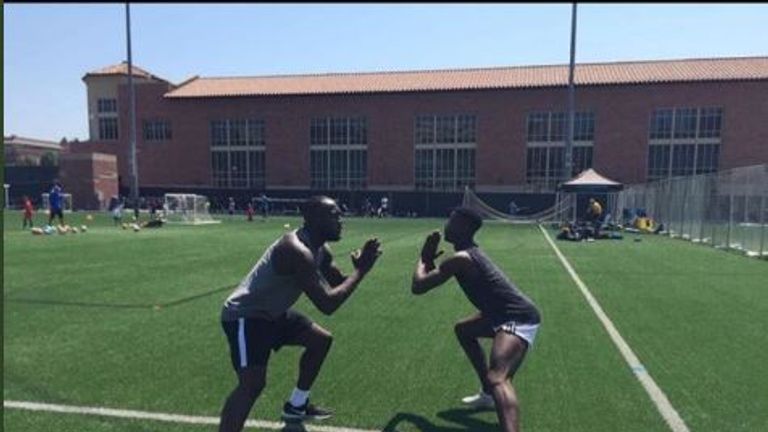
(463, 419)
(118, 305)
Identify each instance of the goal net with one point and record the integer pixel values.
(560, 211)
(66, 202)
(279, 206)
(188, 209)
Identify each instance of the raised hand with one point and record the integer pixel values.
(365, 259)
(429, 251)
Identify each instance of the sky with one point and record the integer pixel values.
(47, 48)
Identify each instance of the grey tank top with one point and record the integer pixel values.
(497, 298)
(264, 293)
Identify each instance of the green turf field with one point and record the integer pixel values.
(129, 320)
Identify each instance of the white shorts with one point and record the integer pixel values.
(526, 331)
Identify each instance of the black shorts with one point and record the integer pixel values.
(57, 212)
(252, 339)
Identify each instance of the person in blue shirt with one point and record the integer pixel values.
(55, 204)
(264, 204)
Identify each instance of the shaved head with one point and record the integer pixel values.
(323, 217)
(316, 206)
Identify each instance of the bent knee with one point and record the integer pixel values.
(252, 386)
(322, 341)
(461, 330)
(327, 340)
(495, 378)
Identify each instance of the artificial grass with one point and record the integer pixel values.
(81, 328)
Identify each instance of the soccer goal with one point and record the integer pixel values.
(564, 204)
(187, 209)
(66, 203)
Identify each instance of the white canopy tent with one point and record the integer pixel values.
(590, 182)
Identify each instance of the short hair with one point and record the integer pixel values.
(313, 205)
(471, 215)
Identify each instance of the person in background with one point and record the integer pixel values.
(264, 202)
(594, 213)
(55, 204)
(29, 212)
(231, 206)
(513, 208)
(249, 212)
(117, 212)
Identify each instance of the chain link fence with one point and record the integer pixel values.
(727, 209)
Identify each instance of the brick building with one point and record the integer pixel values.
(24, 151)
(500, 130)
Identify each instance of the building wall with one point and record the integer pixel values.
(91, 178)
(104, 87)
(622, 118)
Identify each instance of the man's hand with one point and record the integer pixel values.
(429, 252)
(363, 261)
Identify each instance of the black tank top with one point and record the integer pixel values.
(497, 298)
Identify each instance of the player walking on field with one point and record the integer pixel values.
(257, 317)
(505, 314)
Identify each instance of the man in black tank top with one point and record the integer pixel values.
(505, 314)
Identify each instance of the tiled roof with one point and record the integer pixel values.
(122, 69)
(643, 72)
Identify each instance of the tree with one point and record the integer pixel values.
(49, 159)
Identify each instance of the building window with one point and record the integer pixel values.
(538, 127)
(661, 124)
(338, 152)
(685, 123)
(106, 105)
(710, 121)
(545, 153)
(157, 130)
(584, 126)
(684, 141)
(108, 128)
(445, 151)
(237, 153)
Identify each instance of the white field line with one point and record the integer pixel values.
(658, 397)
(164, 417)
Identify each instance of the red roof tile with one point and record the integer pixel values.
(122, 69)
(644, 72)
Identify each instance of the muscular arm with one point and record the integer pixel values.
(426, 277)
(330, 271)
(327, 298)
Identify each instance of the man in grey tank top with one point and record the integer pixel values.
(505, 314)
(257, 317)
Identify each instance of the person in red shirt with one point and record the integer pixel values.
(29, 211)
(249, 212)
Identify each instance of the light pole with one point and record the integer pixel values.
(568, 157)
(132, 139)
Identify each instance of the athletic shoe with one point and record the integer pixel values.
(480, 400)
(306, 412)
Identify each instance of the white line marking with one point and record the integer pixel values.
(658, 397)
(172, 418)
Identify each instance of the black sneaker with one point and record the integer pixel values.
(306, 412)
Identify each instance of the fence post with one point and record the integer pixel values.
(730, 211)
(763, 210)
(704, 209)
(683, 207)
